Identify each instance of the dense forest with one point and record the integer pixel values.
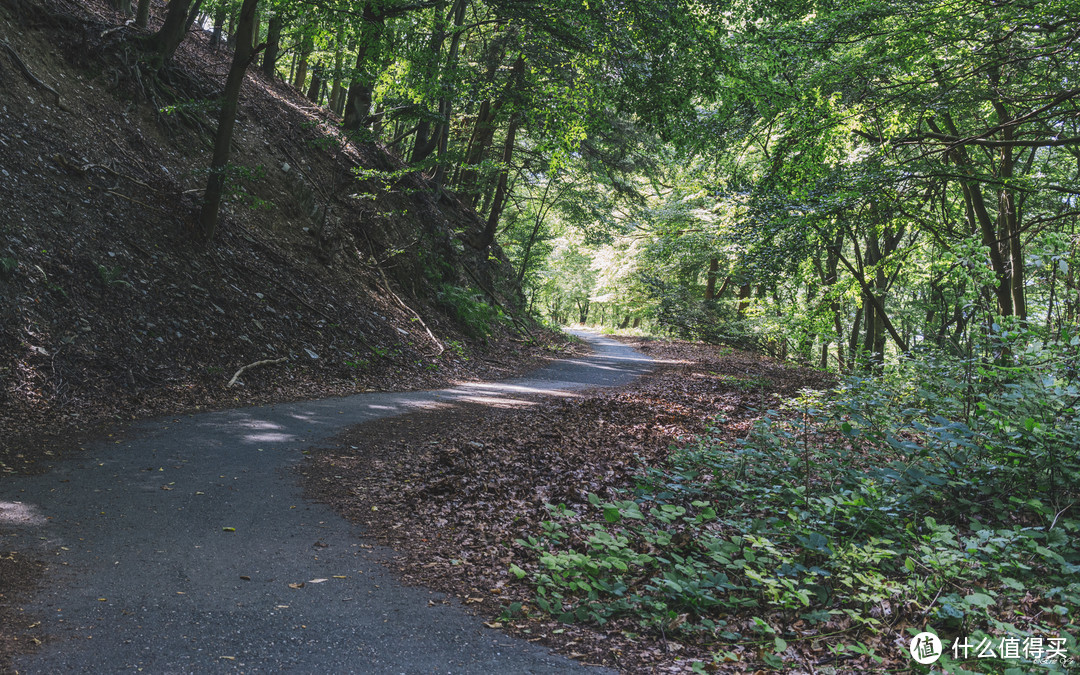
(821, 181)
(888, 192)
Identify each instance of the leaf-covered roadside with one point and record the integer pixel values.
(451, 490)
(726, 513)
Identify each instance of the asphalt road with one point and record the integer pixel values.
(183, 549)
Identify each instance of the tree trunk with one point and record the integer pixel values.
(219, 23)
(446, 102)
(306, 46)
(337, 92)
(483, 133)
(215, 184)
(316, 84)
(541, 211)
(192, 15)
(425, 141)
(256, 30)
(164, 42)
(487, 237)
(1000, 235)
(744, 300)
(121, 6)
(710, 279)
(853, 339)
(142, 14)
(583, 310)
(273, 46)
(358, 100)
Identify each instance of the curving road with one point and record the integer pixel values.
(183, 549)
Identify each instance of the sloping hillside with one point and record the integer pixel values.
(111, 307)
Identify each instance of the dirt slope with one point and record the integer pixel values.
(110, 308)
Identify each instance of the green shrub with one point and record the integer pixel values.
(469, 309)
(946, 492)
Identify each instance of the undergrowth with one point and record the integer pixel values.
(941, 496)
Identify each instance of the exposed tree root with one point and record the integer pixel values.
(33, 79)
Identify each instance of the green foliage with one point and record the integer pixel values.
(112, 275)
(469, 309)
(457, 348)
(8, 267)
(238, 183)
(945, 493)
(192, 107)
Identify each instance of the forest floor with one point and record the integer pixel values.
(450, 492)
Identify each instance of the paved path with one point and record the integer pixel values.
(147, 573)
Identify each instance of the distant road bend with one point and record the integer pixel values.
(183, 550)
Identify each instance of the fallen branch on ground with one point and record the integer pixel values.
(264, 362)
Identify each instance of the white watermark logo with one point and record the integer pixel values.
(925, 648)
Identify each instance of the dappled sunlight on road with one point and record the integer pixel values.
(18, 513)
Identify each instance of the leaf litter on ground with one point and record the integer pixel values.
(451, 490)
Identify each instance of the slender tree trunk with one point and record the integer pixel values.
(358, 100)
(744, 300)
(192, 15)
(980, 221)
(425, 141)
(316, 83)
(219, 23)
(487, 237)
(230, 33)
(446, 102)
(483, 133)
(853, 339)
(337, 92)
(306, 45)
(540, 212)
(215, 184)
(273, 46)
(256, 30)
(142, 14)
(710, 279)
